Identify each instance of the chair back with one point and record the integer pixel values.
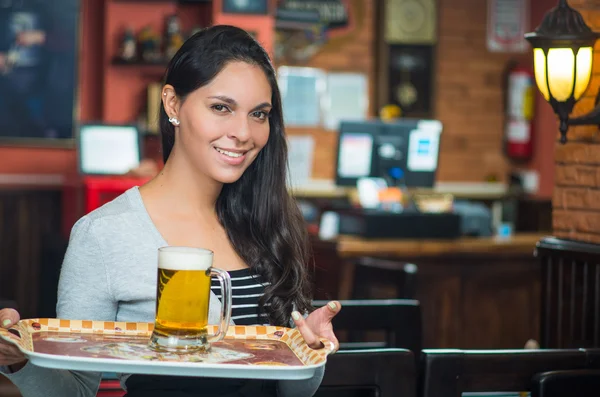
(445, 373)
(400, 319)
(369, 373)
(580, 383)
(570, 313)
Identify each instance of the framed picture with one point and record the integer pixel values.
(260, 7)
(38, 70)
(410, 78)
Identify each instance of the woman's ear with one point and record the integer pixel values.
(170, 101)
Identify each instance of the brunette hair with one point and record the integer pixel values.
(262, 220)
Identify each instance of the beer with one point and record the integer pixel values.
(181, 307)
(183, 297)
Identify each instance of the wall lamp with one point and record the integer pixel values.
(563, 54)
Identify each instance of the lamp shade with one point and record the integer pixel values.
(560, 73)
(563, 48)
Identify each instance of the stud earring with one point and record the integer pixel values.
(174, 121)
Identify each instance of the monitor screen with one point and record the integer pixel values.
(108, 149)
(354, 157)
(423, 148)
(373, 148)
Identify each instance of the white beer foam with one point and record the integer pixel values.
(184, 258)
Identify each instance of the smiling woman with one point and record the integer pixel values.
(223, 189)
(233, 127)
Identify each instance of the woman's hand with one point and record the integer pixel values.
(9, 354)
(318, 325)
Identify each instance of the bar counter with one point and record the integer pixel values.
(519, 244)
(475, 293)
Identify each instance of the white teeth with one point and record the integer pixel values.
(230, 154)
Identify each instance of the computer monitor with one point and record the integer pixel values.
(108, 149)
(407, 147)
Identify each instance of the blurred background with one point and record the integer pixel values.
(423, 154)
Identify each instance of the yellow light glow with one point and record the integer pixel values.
(561, 73)
(584, 71)
(539, 64)
(561, 62)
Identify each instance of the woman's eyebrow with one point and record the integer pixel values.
(225, 99)
(262, 106)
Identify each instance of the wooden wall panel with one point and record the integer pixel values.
(29, 237)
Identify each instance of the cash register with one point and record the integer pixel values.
(404, 153)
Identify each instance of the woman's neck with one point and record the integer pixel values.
(183, 189)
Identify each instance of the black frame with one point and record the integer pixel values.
(64, 141)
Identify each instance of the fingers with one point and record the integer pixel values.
(333, 308)
(9, 353)
(9, 317)
(309, 336)
(331, 337)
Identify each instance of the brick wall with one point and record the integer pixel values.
(576, 199)
(469, 94)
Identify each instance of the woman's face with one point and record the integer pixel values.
(225, 123)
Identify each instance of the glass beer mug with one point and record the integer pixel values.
(183, 300)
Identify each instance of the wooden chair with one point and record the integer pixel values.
(369, 373)
(398, 275)
(570, 316)
(580, 383)
(399, 319)
(449, 373)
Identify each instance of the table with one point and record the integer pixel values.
(475, 293)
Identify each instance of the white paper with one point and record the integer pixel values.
(301, 95)
(346, 98)
(423, 147)
(508, 21)
(300, 159)
(109, 149)
(355, 155)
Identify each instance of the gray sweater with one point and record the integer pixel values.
(109, 274)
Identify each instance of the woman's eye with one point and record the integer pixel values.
(261, 115)
(220, 108)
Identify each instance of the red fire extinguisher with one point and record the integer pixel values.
(520, 108)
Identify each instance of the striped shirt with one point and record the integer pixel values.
(246, 290)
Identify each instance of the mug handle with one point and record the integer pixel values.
(225, 282)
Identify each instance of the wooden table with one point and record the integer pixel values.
(350, 246)
(475, 293)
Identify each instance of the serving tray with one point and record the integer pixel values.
(248, 352)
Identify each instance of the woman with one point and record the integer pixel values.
(222, 188)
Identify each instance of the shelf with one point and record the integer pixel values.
(121, 62)
(165, 1)
(147, 68)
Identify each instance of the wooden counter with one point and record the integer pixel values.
(475, 293)
(520, 244)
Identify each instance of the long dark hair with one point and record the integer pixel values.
(263, 222)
